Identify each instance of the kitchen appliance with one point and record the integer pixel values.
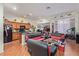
(7, 33)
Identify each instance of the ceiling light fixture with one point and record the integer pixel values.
(24, 16)
(30, 14)
(48, 7)
(61, 16)
(43, 21)
(39, 17)
(54, 17)
(14, 8)
(69, 14)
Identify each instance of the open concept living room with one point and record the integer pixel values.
(39, 29)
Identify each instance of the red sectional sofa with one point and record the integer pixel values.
(38, 48)
(60, 37)
(37, 36)
(55, 37)
(34, 36)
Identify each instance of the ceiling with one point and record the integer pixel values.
(37, 10)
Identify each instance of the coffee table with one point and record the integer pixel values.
(50, 41)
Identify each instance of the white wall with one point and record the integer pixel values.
(72, 22)
(77, 22)
(55, 26)
(66, 23)
(63, 25)
(1, 28)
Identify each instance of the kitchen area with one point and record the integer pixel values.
(13, 30)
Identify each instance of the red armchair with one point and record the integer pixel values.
(61, 36)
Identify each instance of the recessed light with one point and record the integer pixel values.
(43, 21)
(48, 7)
(14, 8)
(30, 14)
(61, 16)
(54, 17)
(24, 16)
(61, 21)
(69, 14)
(39, 17)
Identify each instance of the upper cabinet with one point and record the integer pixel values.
(16, 25)
(28, 25)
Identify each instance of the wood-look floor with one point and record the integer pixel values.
(14, 48)
(71, 48)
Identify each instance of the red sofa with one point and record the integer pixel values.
(35, 37)
(62, 36)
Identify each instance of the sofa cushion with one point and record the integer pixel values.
(37, 48)
(38, 38)
(57, 34)
(32, 35)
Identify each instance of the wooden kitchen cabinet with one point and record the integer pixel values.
(16, 25)
(28, 26)
(16, 36)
